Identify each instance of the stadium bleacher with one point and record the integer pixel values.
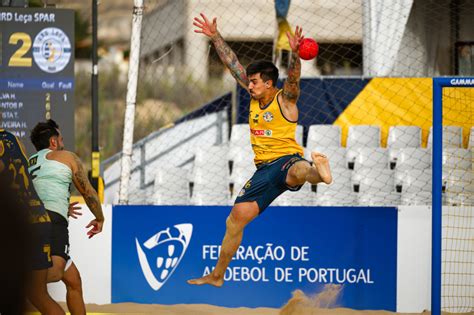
(364, 173)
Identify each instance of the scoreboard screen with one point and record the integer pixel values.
(37, 71)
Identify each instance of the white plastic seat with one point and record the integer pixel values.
(404, 137)
(240, 135)
(414, 181)
(299, 134)
(240, 174)
(335, 155)
(210, 177)
(323, 136)
(457, 158)
(374, 180)
(215, 155)
(171, 186)
(458, 181)
(241, 156)
(336, 199)
(459, 199)
(211, 167)
(207, 197)
(368, 157)
(413, 158)
(421, 198)
(339, 192)
(363, 136)
(215, 181)
(452, 137)
(303, 197)
(341, 182)
(381, 198)
(459, 187)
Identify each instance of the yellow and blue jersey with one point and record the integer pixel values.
(16, 167)
(271, 134)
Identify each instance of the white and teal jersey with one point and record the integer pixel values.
(52, 181)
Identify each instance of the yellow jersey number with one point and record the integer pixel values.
(20, 171)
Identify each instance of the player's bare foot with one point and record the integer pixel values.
(321, 164)
(209, 279)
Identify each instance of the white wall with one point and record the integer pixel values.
(414, 259)
(93, 258)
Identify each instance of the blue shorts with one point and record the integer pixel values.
(41, 247)
(269, 182)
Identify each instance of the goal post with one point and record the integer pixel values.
(438, 250)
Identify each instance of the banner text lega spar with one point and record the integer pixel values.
(27, 18)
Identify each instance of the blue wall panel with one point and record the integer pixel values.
(155, 249)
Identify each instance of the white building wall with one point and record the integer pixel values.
(324, 20)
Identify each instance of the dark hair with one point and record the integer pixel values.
(267, 70)
(42, 132)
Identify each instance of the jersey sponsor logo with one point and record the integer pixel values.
(165, 250)
(268, 117)
(52, 50)
(261, 132)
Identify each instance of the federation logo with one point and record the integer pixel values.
(268, 117)
(164, 250)
(52, 50)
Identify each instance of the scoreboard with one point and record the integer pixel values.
(37, 71)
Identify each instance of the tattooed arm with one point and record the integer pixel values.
(91, 198)
(291, 87)
(227, 56)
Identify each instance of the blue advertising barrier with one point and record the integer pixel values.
(155, 249)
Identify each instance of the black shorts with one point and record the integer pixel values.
(269, 182)
(41, 247)
(59, 235)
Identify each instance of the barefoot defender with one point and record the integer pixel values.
(273, 117)
(54, 170)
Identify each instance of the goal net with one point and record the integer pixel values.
(453, 194)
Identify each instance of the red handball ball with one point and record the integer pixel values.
(309, 49)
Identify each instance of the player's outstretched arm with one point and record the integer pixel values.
(91, 198)
(291, 87)
(226, 54)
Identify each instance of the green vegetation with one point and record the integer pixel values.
(159, 103)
